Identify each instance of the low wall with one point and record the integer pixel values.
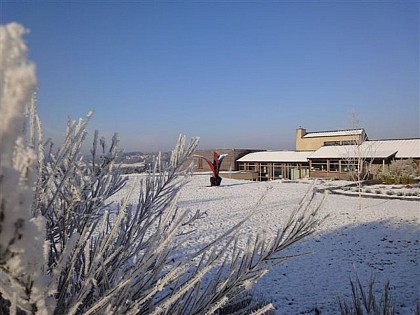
(240, 175)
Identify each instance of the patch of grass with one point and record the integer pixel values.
(364, 300)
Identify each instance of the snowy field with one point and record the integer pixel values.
(382, 239)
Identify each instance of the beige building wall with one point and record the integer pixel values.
(314, 143)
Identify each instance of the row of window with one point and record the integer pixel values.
(322, 166)
(344, 142)
(334, 166)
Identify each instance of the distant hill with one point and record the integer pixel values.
(139, 162)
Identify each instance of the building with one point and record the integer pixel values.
(311, 141)
(271, 165)
(321, 154)
(338, 161)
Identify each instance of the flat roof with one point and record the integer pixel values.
(370, 149)
(406, 148)
(276, 156)
(380, 149)
(352, 151)
(334, 133)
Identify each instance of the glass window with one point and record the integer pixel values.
(277, 171)
(329, 143)
(251, 167)
(347, 167)
(334, 166)
(319, 166)
(348, 142)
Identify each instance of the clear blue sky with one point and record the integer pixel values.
(237, 74)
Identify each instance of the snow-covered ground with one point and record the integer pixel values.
(382, 239)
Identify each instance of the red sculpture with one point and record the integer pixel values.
(215, 180)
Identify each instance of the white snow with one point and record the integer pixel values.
(276, 156)
(381, 239)
(348, 132)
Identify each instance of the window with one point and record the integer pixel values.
(348, 142)
(319, 166)
(330, 143)
(245, 166)
(334, 166)
(277, 171)
(346, 167)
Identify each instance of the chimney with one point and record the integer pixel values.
(300, 132)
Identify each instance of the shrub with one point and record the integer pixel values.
(368, 191)
(377, 191)
(390, 192)
(400, 172)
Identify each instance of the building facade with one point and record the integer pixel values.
(374, 155)
(311, 141)
(321, 154)
(271, 165)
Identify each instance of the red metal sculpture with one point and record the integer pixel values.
(215, 180)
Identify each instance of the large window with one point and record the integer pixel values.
(329, 143)
(319, 166)
(244, 166)
(252, 167)
(348, 142)
(334, 166)
(277, 171)
(348, 167)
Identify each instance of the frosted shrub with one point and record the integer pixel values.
(63, 251)
(22, 236)
(400, 172)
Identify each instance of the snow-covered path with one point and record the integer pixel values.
(381, 239)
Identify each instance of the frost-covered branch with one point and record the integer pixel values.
(22, 236)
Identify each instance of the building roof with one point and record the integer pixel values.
(351, 152)
(406, 148)
(334, 133)
(379, 149)
(276, 156)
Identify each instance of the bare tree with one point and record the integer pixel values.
(358, 157)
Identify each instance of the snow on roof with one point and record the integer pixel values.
(352, 151)
(380, 149)
(348, 132)
(406, 148)
(377, 149)
(276, 156)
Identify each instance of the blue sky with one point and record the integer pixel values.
(237, 74)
